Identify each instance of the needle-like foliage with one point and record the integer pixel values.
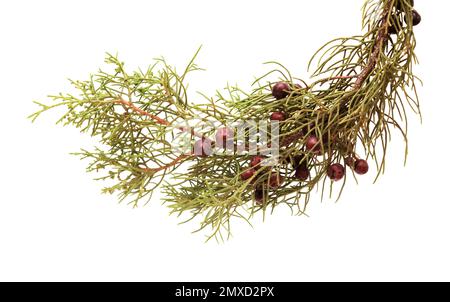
(361, 90)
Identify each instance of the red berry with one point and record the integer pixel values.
(302, 172)
(336, 172)
(361, 167)
(349, 161)
(275, 181)
(280, 90)
(247, 174)
(416, 18)
(278, 116)
(313, 144)
(224, 136)
(259, 196)
(306, 128)
(255, 162)
(392, 30)
(202, 147)
(297, 160)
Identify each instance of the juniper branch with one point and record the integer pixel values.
(360, 92)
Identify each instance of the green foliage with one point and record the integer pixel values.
(133, 146)
(362, 88)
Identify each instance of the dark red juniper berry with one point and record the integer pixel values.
(224, 137)
(255, 162)
(275, 180)
(202, 147)
(302, 172)
(278, 116)
(392, 30)
(416, 18)
(247, 174)
(259, 195)
(313, 144)
(350, 161)
(297, 160)
(336, 172)
(281, 90)
(361, 167)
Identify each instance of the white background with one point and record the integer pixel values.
(56, 226)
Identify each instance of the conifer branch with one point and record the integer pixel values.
(152, 135)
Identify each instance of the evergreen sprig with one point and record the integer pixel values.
(361, 89)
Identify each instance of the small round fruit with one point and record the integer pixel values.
(224, 136)
(336, 172)
(416, 18)
(302, 172)
(306, 128)
(278, 116)
(259, 196)
(393, 30)
(350, 161)
(247, 174)
(280, 90)
(255, 162)
(313, 144)
(296, 161)
(275, 181)
(202, 148)
(361, 167)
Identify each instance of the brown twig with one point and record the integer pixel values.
(169, 165)
(156, 118)
(143, 112)
(381, 39)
